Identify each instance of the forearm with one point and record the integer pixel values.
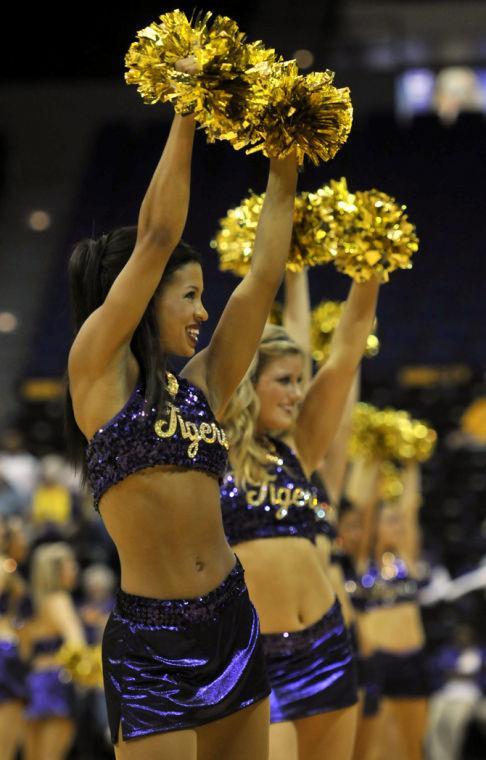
(296, 312)
(410, 502)
(274, 231)
(163, 212)
(349, 339)
(333, 467)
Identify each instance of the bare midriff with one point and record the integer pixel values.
(167, 527)
(392, 629)
(7, 632)
(286, 582)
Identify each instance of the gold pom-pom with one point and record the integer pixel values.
(324, 320)
(307, 114)
(367, 233)
(226, 94)
(151, 59)
(474, 420)
(390, 434)
(82, 663)
(235, 239)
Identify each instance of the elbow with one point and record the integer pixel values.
(158, 239)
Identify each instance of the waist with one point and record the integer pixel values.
(291, 642)
(394, 629)
(173, 613)
(286, 582)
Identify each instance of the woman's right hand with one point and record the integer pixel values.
(188, 65)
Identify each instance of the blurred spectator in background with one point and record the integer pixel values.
(11, 502)
(19, 468)
(462, 667)
(50, 711)
(457, 90)
(52, 501)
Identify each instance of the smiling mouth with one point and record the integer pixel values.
(193, 335)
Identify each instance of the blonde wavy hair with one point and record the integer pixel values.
(248, 454)
(46, 569)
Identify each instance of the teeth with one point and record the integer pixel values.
(194, 334)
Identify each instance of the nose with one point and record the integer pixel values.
(296, 392)
(201, 313)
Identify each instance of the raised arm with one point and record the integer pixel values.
(107, 332)
(332, 469)
(362, 490)
(297, 316)
(223, 364)
(410, 503)
(324, 402)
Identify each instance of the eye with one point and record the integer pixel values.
(284, 379)
(191, 295)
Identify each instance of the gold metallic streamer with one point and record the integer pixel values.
(390, 435)
(241, 92)
(367, 233)
(307, 114)
(83, 663)
(235, 238)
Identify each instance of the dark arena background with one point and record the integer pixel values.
(77, 149)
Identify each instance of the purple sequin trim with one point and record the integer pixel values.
(176, 613)
(290, 642)
(129, 442)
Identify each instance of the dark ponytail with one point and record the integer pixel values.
(93, 267)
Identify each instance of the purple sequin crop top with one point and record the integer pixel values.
(187, 436)
(287, 505)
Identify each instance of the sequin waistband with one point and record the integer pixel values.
(175, 613)
(291, 642)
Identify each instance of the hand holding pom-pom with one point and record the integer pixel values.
(219, 90)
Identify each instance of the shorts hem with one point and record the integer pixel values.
(316, 711)
(190, 724)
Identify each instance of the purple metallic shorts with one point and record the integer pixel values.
(50, 694)
(311, 671)
(12, 672)
(401, 675)
(171, 664)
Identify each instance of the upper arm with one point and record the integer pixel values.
(235, 339)
(107, 332)
(63, 615)
(321, 412)
(333, 467)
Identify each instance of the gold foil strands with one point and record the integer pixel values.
(241, 92)
(390, 435)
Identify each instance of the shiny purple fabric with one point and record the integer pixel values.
(12, 672)
(189, 437)
(400, 675)
(175, 664)
(50, 693)
(288, 505)
(311, 671)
